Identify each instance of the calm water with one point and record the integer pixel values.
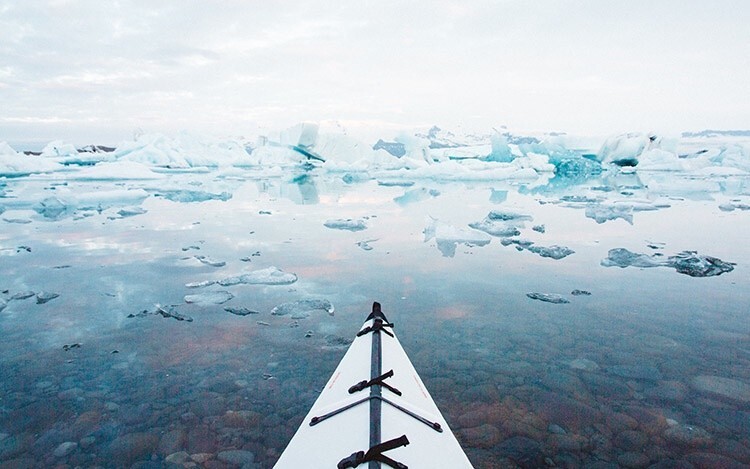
(653, 366)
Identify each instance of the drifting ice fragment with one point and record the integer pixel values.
(209, 298)
(44, 297)
(554, 252)
(496, 228)
(602, 213)
(131, 212)
(51, 208)
(204, 283)
(22, 295)
(686, 262)
(690, 263)
(346, 224)
(3, 304)
(301, 309)
(211, 262)
(186, 196)
(448, 237)
(365, 245)
(548, 297)
(268, 276)
(242, 311)
(163, 311)
(416, 195)
(621, 257)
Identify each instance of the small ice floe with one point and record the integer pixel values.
(602, 213)
(192, 247)
(301, 309)
(448, 237)
(347, 224)
(578, 292)
(209, 298)
(502, 224)
(553, 252)
(548, 297)
(202, 284)
(187, 196)
(731, 206)
(3, 304)
(241, 311)
(539, 228)
(43, 297)
(365, 245)
(163, 311)
(17, 221)
(416, 195)
(686, 262)
(68, 347)
(131, 211)
(22, 295)
(268, 276)
(53, 208)
(209, 261)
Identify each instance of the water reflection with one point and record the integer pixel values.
(617, 377)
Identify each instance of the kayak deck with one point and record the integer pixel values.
(374, 410)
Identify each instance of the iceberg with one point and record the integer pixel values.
(184, 151)
(188, 196)
(627, 149)
(14, 164)
(58, 148)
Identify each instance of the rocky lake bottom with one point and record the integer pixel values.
(149, 325)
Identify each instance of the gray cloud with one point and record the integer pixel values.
(90, 70)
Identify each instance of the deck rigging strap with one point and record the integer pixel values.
(375, 455)
(377, 381)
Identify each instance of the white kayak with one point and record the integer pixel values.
(374, 412)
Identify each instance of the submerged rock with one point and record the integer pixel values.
(548, 297)
(584, 364)
(644, 372)
(301, 309)
(726, 388)
(688, 435)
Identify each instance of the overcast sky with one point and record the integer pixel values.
(94, 71)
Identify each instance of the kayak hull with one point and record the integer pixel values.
(341, 423)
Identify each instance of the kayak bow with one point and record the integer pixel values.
(365, 415)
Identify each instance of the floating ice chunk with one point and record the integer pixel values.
(605, 212)
(22, 295)
(268, 276)
(365, 245)
(690, 263)
(204, 283)
(686, 262)
(578, 292)
(501, 229)
(621, 257)
(539, 228)
(242, 311)
(520, 244)
(548, 297)
(17, 221)
(730, 207)
(498, 196)
(346, 224)
(53, 208)
(44, 297)
(416, 195)
(209, 298)
(3, 304)
(497, 215)
(188, 196)
(209, 261)
(554, 252)
(163, 311)
(448, 237)
(131, 212)
(656, 159)
(301, 309)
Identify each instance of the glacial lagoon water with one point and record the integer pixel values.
(121, 369)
